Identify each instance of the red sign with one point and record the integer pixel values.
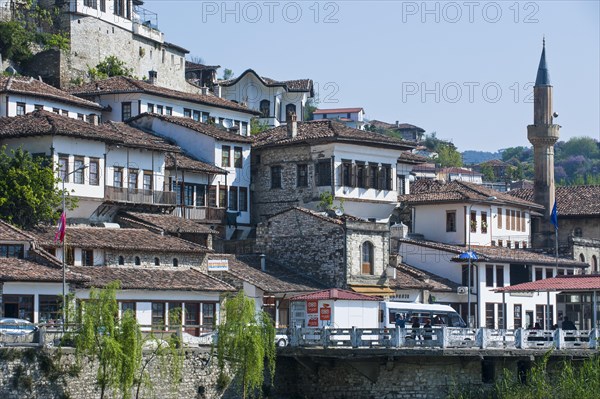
(325, 313)
(313, 322)
(312, 307)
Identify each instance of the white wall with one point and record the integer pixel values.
(33, 288)
(48, 105)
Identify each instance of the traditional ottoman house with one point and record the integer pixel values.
(274, 100)
(294, 165)
(351, 117)
(338, 251)
(203, 190)
(415, 285)
(20, 95)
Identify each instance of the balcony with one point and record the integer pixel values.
(200, 213)
(139, 196)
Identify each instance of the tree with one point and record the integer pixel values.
(196, 59)
(583, 146)
(108, 67)
(227, 74)
(310, 108)
(448, 156)
(488, 172)
(257, 127)
(29, 194)
(246, 341)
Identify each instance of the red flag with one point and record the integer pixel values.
(62, 227)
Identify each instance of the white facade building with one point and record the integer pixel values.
(351, 117)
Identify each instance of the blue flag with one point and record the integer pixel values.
(554, 216)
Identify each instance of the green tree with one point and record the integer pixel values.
(585, 146)
(227, 74)
(246, 342)
(15, 41)
(488, 172)
(29, 194)
(110, 66)
(310, 108)
(448, 156)
(257, 127)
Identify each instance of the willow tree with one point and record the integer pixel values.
(246, 342)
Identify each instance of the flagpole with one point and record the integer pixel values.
(554, 221)
(64, 254)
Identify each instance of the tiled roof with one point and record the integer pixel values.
(200, 127)
(429, 192)
(12, 269)
(132, 278)
(275, 279)
(289, 85)
(335, 294)
(409, 157)
(393, 126)
(168, 223)
(463, 171)
(186, 162)
(8, 232)
(570, 200)
(408, 277)
(577, 282)
(44, 123)
(119, 239)
(37, 88)
(326, 131)
(192, 66)
(337, 110)
(122, 84)
(499, 254)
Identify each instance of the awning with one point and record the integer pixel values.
(372, 290)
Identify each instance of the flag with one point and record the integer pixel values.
(554, 216)
(62, 227)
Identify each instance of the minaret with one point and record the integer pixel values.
(542, 135)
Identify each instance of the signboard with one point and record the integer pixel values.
(325, 312)
(521, 294)
(313, 322)
(218, 265)
(312, 307)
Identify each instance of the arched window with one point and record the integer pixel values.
(367, 258)
(121, 260)
(156, 262)
(290, 109)
(594, 264)
(175, 262)
(578, 232)
(137, 261)
(582, 257)
(265, 107)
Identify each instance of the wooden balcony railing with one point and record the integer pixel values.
(139, 196)
(200, 212)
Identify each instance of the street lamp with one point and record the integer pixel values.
(471, 256)
(64, 248)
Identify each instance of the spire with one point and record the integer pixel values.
(543, 76)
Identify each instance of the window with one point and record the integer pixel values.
(208, 316)
(94, 172)
(507, 213)
(473, 222)
(539, 274)
(517, 315)
(125, 110)
(65, 112)
(103, 5)
(347, 174)
(265, 105)
(90, 3)
(150, 108)
(159, 109)
(523, 222)
(301, 175)
(20, 108)
(276, 176)
(233, 198)
(132, 179)
(513, 217)
(169, 110)
(290, 109)
(78, 168)
(147, 182)
(500, 243)
(490, 315)
(63, 168)
(80, 117)
(373, 176)
(540, 315)
(323, 172)
(516, 244)
(518, 221)
(578, 232)
(118, 177)
(188, 194)
(200, 195)
(361, 175)
(197, 116)
(12, 251)
(56, 111)
(137, 261)
(499, 216)
(222, 197)
(489, 275)
(187, 113)
(244, 129)
(50, 308)
(594, 264)
(499, 276)
(484, 224)
(212, 196)
(581, 257)
(237, 157)
(401, 182)
(243, 199)
(128, 307)
(158, 314)
(38, 107)
(87, 257)
(121, 260)
(175, 262)
(450, 221)
(549, 273)
(367, 258)
(524, 244)
(156, 262)
(386, 178)
(225, 156)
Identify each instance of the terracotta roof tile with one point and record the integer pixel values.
(428, 192)
(8, 232)
(168, 223)
(12, 269)
(409, 157)
(570, 200)
(408, 277)
(393, 126)
(335, 294)
(186, 162)
(119, 239)
(337, 110)
(122, 84)
(35, 87)
(192, 66)
(200, 127)
(327, 131)
(184, 279)
(582, 282)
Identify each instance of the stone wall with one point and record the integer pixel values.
(147, 259)
(357, 234)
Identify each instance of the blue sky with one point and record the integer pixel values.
(462, 69)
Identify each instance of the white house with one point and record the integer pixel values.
(462, 174)
(125, 97)
(215, 146)
(351, 117)
(273, 99)
(20, 95)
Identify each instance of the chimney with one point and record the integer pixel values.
(152, 77)
(263, 262)
(204, 90)
(292, 125)
(397, 123)
(217, 90)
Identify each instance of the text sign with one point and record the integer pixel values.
(218, 265)
(312, 307)
(325, 313)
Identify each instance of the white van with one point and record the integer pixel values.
(440, 315)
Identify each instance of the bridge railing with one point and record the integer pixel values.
(444, 337)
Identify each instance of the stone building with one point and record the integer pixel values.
(294, 165)
(338, 251)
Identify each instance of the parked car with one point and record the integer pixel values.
(16, 327)
(281, 339)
